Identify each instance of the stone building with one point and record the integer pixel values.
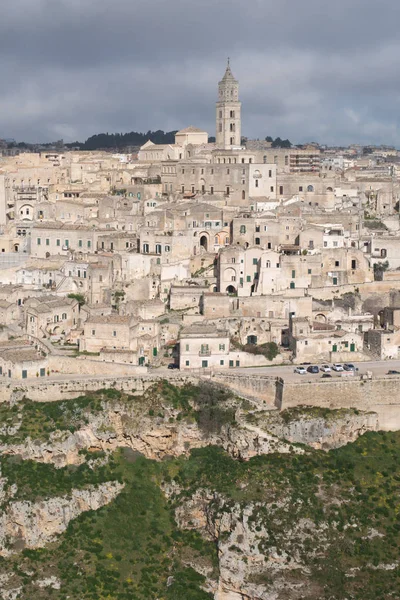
(228, 117)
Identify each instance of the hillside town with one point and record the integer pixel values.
(198, 255)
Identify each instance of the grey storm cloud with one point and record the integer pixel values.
(311, 70)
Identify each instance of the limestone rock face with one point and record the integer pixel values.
(336, 429)
(26, 524)
(157, 437)
(248, 570)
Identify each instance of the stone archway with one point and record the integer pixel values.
(320, 318)
(204, 242)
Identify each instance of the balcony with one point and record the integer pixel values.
(205, 353)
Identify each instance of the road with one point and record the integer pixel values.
(379, 368)
(287, 372)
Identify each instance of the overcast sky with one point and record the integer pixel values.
(312, 70)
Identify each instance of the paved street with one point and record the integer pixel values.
(379, 368)
(287, 372)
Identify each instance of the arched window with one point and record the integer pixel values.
(265, 159)
(310, 188)
(216, 240)
(146, 248)
(158, 248)
(268, 264)
(64, 316)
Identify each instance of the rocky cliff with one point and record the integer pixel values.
(193, 492)
(35, 524)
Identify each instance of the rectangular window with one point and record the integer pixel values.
(39, 241)
(293, 274)
(66, 243)
(272, 188)
(248, 278)
(47, 242)
(309, 271)
(114, 333)
(187, 363)
(269, 173)
(222, 346)
(281, 189)
(255, 261)
(204, 364)
(58, 242)
(24, 374)
(80, 243)
(93, 332)
(89, 244)
(42, 372)
(231, 363)
(221, 362)
(187, 347)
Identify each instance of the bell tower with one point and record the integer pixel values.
(228, 119)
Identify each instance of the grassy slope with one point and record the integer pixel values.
(132, 548)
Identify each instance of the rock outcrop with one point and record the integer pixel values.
(165, 434)
(26, 524)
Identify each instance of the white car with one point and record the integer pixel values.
(300, 370)
(337, 367)
(325, 369)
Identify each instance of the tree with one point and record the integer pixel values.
(278, 143)
(379, 269)
(79, 297)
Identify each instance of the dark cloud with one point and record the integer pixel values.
(314, 70)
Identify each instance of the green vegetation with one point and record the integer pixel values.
(374, 224)
(211, 407)
(79, 297)
(333, 517)
(128, 550)
(278, 143)
(349, 497)
(306, 412)
(38, 420)
(270, 349)
(122, 140)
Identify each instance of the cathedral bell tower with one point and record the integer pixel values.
(228, 120)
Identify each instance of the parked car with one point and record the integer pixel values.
(324, 375)
(393, 372)
(300, 370)
(173, 366)
(325, 369)
(337, 367)
(349, 367)
(305, 363)
(313, 369)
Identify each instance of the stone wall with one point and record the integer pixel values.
(258, 387)
(66, 389)
(381, 395)
(92, 366)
